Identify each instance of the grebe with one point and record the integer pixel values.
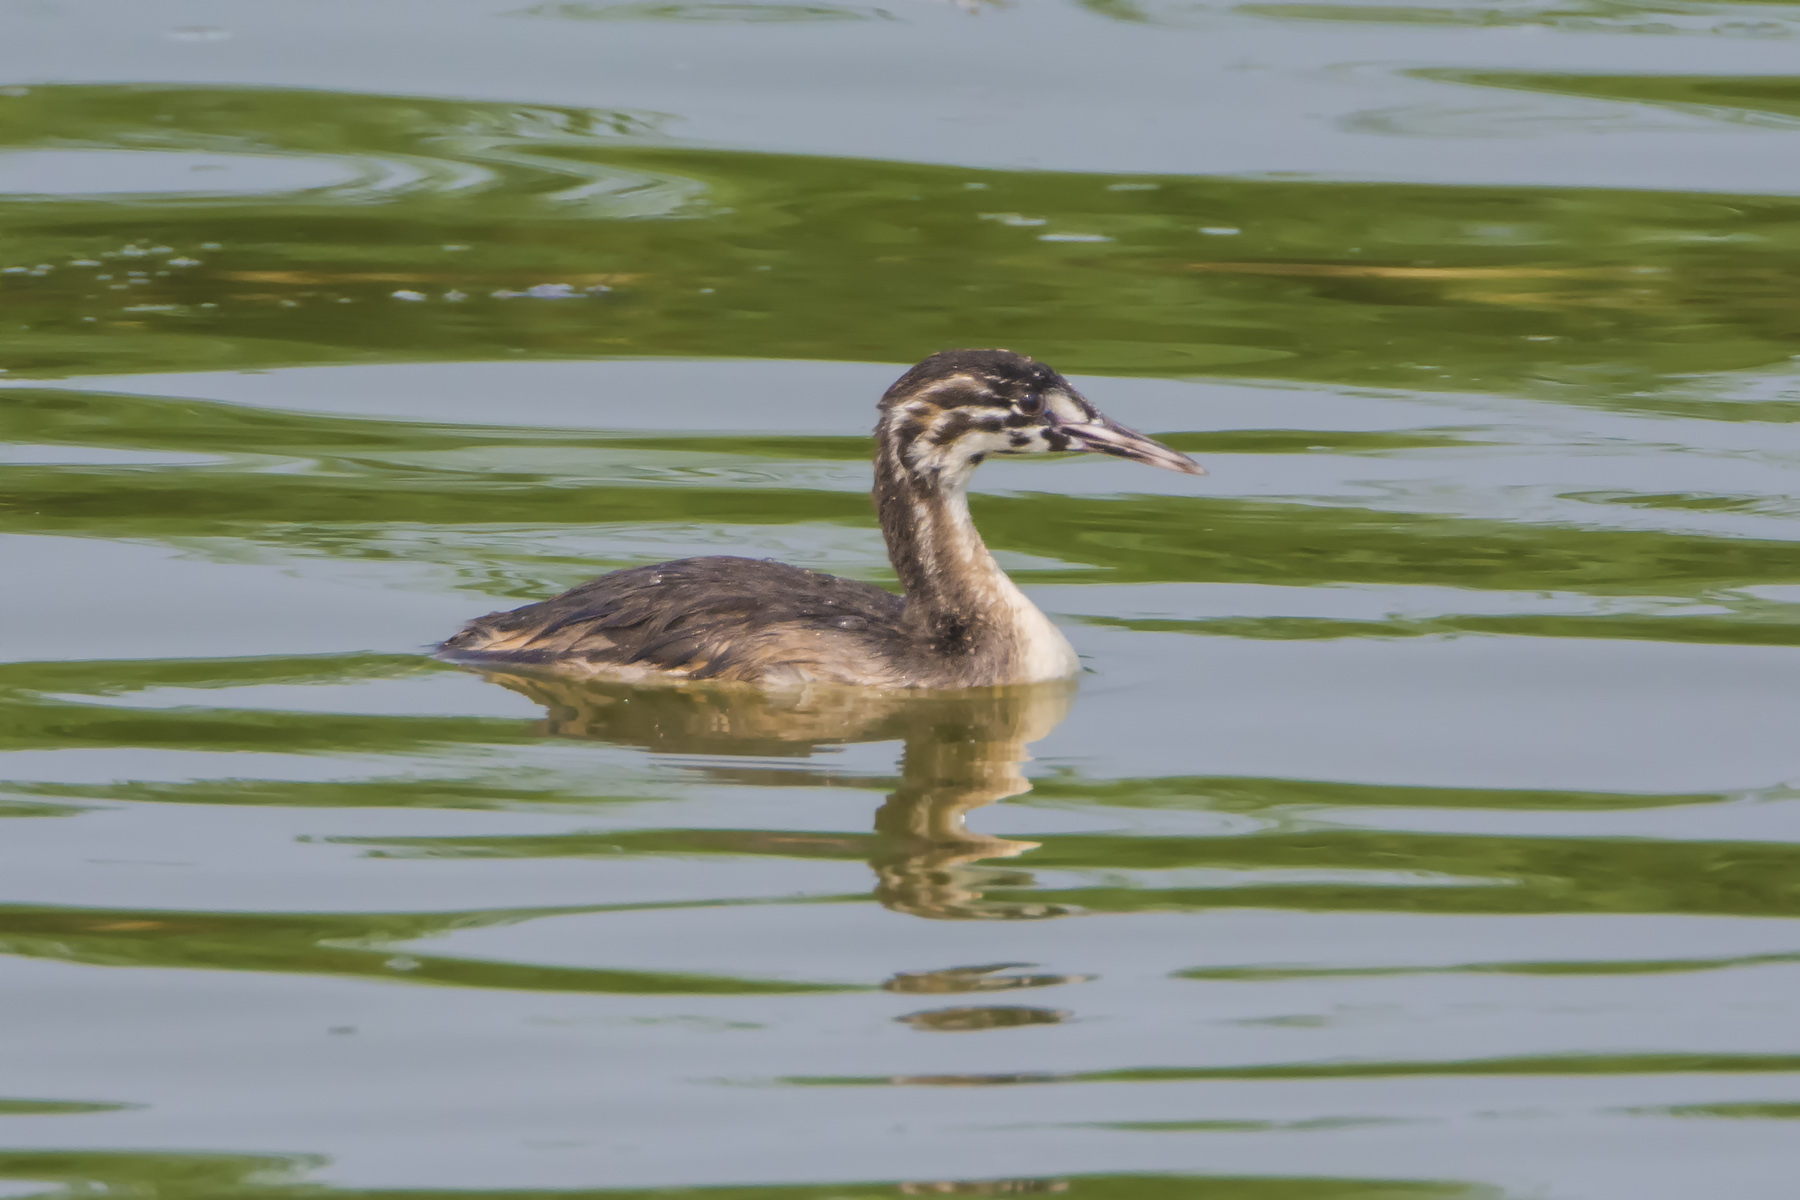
(962, 623)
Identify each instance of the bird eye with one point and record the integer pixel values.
(1031, 404)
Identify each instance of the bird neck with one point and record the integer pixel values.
(959, 602)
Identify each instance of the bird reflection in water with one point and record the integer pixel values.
(963, 750)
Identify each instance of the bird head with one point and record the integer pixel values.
(949, 413)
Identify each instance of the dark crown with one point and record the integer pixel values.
(954, 378)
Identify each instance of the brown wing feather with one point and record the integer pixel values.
(699, 618)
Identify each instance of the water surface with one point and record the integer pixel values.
(1425, 826)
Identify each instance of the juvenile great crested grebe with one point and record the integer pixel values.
(962, 623)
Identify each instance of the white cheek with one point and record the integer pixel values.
(1065, 407)
(973, 443)
(959, 458)
(1031, 441)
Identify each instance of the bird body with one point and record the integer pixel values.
(961, 622)
(723, 618)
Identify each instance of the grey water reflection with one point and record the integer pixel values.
(962, 751)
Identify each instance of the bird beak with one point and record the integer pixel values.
(1108, 437)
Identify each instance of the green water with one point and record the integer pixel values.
(1427, 822)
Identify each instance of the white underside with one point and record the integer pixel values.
(1044, 653)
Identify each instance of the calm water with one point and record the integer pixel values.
(1426, 827)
